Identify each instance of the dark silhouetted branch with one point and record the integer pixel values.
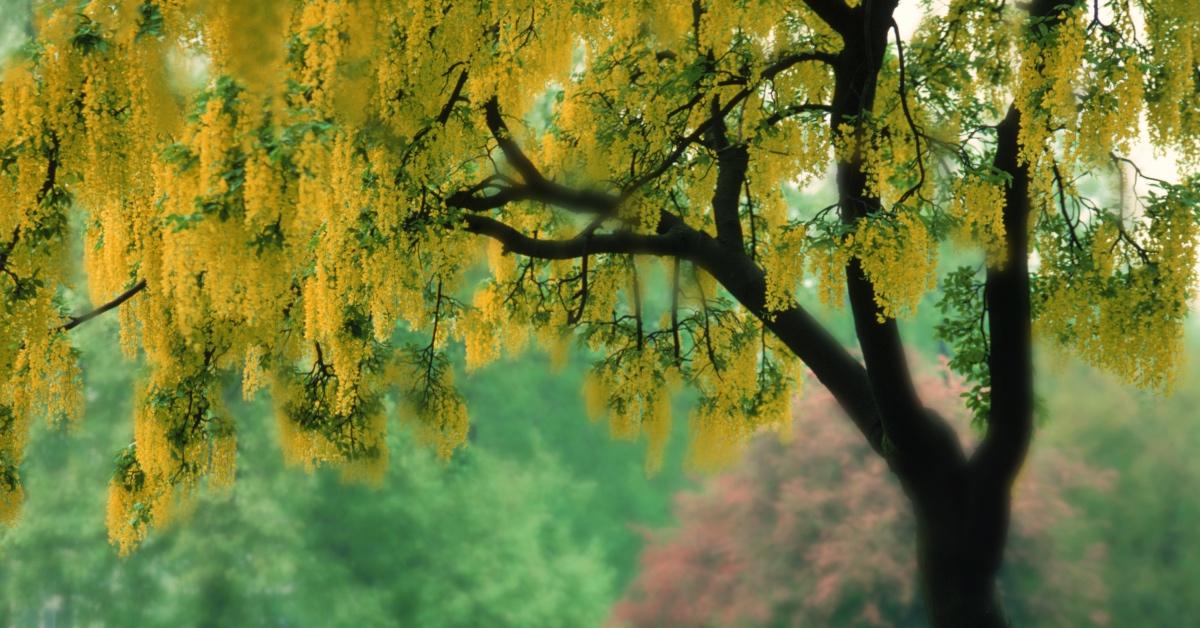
(76, 321)
(672, 243)
(732, 162)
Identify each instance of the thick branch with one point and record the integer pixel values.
(76, 321)
(536, 186)
(1010, 363)
(732, 161)
(512, 152)
(835, 13)
(468, 200)
(923, 442)
(832, 364)
(1010, 422)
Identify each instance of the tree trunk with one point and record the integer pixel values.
(960, 546)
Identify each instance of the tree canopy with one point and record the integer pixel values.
(268, 189)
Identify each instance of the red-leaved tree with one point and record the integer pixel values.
(815, 532)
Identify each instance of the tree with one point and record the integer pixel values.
(815, 533)
(272, 187)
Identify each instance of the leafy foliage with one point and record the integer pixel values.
(964, 327)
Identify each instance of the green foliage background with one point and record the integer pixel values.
(530, 526)
(538, 523)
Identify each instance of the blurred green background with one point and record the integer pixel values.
(539, 522)
(534, 524)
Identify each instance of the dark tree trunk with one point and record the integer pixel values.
(961, 503)
(960, 545)
(958, 596)
(961, 509)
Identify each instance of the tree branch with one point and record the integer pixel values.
(512, 152)
(455, 96)
(832, 364)
(925, 447)
(732, 162)
(535, 186)
(443, 116)
(673, 242)
(776, 67)
(834, 367)
(538, 187)
(1010, 419)
(76, 321)
(835, 13)
(912, 125)
(791, 110)
(785, 62)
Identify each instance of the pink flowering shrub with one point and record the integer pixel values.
(815, 532)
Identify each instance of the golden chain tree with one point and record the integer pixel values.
(270, 189)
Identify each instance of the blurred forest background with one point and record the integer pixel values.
(545, 520)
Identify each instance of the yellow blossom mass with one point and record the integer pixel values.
(324, 199)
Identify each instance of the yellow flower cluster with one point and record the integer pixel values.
(182, 434)
(783, 264)
(127, 514)
(986, 34)
(899, 256)
(40, 377)
(1105, 119)
(1125, 313)
(977, 206)
(11, 499)
(741, 399)
(1046, 84)
(483, 329)
(1174, 45)
(827, 264)
(440, 415)
(636, 398)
